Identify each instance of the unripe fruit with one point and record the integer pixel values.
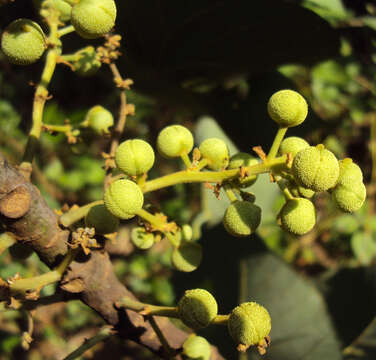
(142, 239)
(134, 157)
(243, 159)
(196, 347)
(216, 152)
(316, 168)
(23, 42)
(99, 119)
(249, 323)
(61, 6)
(93, 18)
(174, 140)
(87, 62)
(187, 257)
(349, 198)
(123, 198)
(187, 232)
(242, 218)
(101, 220)
(197, 308)
(349, 173)
(292, 145)
(287, 108)
(298, 216)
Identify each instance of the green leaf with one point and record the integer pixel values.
(364, 247)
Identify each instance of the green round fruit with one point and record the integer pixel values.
(196, 347)
(142, 239)
(216, 152)
(101, 220)
(123, 198)
(197, 308)
(174, 141)
(23, 42)
(249, 323)
(287, 108)
(99, 120)
(61, 6)
(349, 198)
(349, 173)
(292, 145)
(243, 159)
(298, 216)
(93, 18)
(316, 168)
(134, 157)
(187, 256)
(242, 218)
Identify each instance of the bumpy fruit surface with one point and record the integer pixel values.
(316, 168)
(87, 62)
(196, 347)
(99, 119)
(134, 157)
(93, 18)
(23, 42)
(249, 323)
(216, 152)
(142, 239)
(242, 218)
(292, 145)
(197, 308)
(349, 198)
(123, 198)
(61, 6)
(287, 108)
(101, 220)
(243, 159)
(349, 173)
(174, 140)
(187, 257)
(298, 216)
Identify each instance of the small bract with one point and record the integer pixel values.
(216, 152)
(243, 159)
(93, 18)
(134, 157)
(174, 141)
(23, 42)
(316, 168)
(249, 323)
(242, 218)
(197, 308)
(123, 198)
(287, 108)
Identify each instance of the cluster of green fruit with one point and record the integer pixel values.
(248, 324)
(24, 42)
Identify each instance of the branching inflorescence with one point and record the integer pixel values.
(300, 170)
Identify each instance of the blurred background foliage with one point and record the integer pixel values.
(212, 65)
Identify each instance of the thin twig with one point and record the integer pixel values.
(169, 351)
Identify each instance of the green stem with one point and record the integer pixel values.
(36, 283)
(75, 215)
(221, 320)
(103, 334)
(276, 143)
(169, 351)
(40, 97)
(58, 128)
(186, 160)
(186, 176)
(202, 164)
(147, 309)
(152, 219)
(230, 194)
(286, 192)
(65, 30)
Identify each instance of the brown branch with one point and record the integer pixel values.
(91, 278)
